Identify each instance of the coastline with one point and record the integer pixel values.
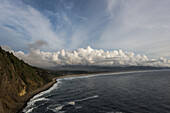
(30, 95)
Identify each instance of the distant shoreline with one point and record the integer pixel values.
(30, 95)
(118, 72)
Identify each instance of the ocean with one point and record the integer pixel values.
(126, 92)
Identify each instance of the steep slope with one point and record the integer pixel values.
(16, 80)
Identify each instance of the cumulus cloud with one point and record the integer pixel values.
(127, 24)
(88, 56)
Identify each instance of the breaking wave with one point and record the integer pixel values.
(58, 108)
(88, 98)
(39, 97)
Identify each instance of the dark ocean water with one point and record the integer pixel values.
(137, 92)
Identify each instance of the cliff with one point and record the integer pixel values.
(17, 79)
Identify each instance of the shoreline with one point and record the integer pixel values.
(116, 72)
(30, 95)
(47, 86)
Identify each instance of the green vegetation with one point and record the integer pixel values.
(17, 77)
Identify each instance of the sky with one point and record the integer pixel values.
(51, 26)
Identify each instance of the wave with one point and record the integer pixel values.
(30, 104)
(88, 98)
(71, 103)
(78, 107)
(47, 91)
(57, 109)
(60, 107)
(29, 110)
(39, 97)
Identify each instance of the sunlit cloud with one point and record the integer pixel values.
(138, 26)
(87, 57)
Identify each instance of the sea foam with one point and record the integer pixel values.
(39, 97)
(88, 98)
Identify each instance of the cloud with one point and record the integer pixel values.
(66, 19)
(27, 23)
(88, 56)
(38, 44)
(7, 48)
(137, 25)
(68, 5)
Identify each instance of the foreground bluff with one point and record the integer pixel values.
(17, 79)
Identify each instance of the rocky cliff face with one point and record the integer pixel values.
(16, 80)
